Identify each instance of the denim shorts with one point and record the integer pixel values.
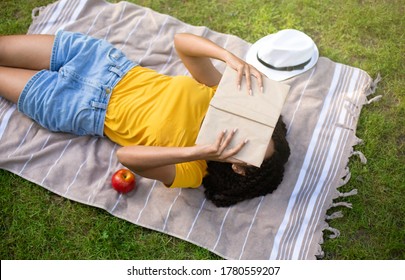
(72, 96)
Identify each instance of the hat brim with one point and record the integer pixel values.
(276, 75)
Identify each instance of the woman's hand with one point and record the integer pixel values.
(244, 69)
(219, 151)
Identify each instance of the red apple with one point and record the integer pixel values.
(123, 181)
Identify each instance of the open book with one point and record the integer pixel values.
(255, 116)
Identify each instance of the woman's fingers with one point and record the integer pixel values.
(231, 152)
(223, 141)
(227, 152)
(239, 77)
(248, 71)
(221, 146)
(259, 77)
(248, 80)
(228, 139)
(244, 69)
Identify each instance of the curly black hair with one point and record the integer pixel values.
(224, 187)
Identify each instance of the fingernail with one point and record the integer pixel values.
(238, 87)
(234, 131)
(246, 140)
(250, 92)
(261, 89)
(225, 130)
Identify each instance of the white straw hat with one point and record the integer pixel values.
(284, 54)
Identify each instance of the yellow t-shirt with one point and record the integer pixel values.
(151, 109)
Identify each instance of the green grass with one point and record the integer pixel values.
(36, 224)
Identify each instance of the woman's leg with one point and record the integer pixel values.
(26, 51)
(21, 57)
(13, 81)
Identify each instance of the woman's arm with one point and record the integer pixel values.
(159, 162)
(196, 53)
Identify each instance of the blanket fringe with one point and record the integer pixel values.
(334, 215)
(346, 194)
(353, 109)
(345, 178)
(358, 141)
(320, 254)
(335, 232)
(371, 90)
(362, 157)
(374, 99)
(373, 85)
(342, 203)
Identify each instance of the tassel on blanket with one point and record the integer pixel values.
(320, 254)
(362, 157)
(342, 203)
(358, 141)
(373, 85)
(336, 232)
(347, 172)
(334, 215)
(345, 178)
(346, 194)
(374, 99)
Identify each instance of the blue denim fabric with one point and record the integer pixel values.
(73, 95)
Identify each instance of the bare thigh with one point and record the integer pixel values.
(26, 51)
(13, 81)
(21, 57)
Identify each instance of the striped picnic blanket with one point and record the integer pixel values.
(321, 113)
